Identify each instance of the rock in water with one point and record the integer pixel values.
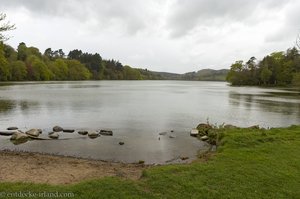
(7, 133)
(121, 143)
(34, 132)
(17, 136)
(57, 129)
(204, 128)
(53, 135)
(82, 132)
(12, 128)
(163, 133)
(204, 138)
(68, 130)
(106, 132)
(194, 132)
(93, 134)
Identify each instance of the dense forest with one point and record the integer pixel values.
(29, 64)
(276, 69)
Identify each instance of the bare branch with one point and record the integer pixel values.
(6, 26)
(298, 41)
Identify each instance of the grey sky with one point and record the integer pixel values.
(171, 35)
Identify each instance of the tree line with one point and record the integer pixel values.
(28, 63)
(276, 69)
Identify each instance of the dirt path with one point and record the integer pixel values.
(40, 168)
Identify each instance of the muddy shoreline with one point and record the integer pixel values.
(56, 169)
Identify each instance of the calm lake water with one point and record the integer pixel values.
(137, 111)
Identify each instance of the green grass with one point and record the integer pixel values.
(249, 164)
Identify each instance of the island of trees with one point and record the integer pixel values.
(276, 69)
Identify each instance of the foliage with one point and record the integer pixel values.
(276, 69)
(251, 163)
(78, 65)
(28, 63)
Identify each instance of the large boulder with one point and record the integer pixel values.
(57, 129)
(18, 136)
(93, 134)
(34, 132)
(53, 135)
(106, 132)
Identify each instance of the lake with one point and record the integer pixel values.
(137, 111)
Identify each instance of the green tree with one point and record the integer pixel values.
(77, 71)
(37, 69)
(131, 73)
(4, 68)
(59, 69)
(265, 75)
(18, 71)
(296, 79)
(22, 51)
(234, 75)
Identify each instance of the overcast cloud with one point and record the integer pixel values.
(171, 35)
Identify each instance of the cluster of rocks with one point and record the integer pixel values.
(209, 133)
(170, 134)
(17, 136)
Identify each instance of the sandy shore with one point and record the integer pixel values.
(50, 169)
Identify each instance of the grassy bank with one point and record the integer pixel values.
(250, 163)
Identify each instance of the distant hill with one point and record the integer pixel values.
(207, 75)
(201, 75)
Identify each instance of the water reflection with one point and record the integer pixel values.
(286, 103)
(7, 105)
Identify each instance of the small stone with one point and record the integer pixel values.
(57, 129)
(12, 128)
(7, 133)
(172, 131)
(121, 143)
(106, 132)
(68, 130)
(83, 132)
(53, 135)
(184, 158)
(163, 133)
(204, 138)
(93, 134)
(141, 162)
(194, 132)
